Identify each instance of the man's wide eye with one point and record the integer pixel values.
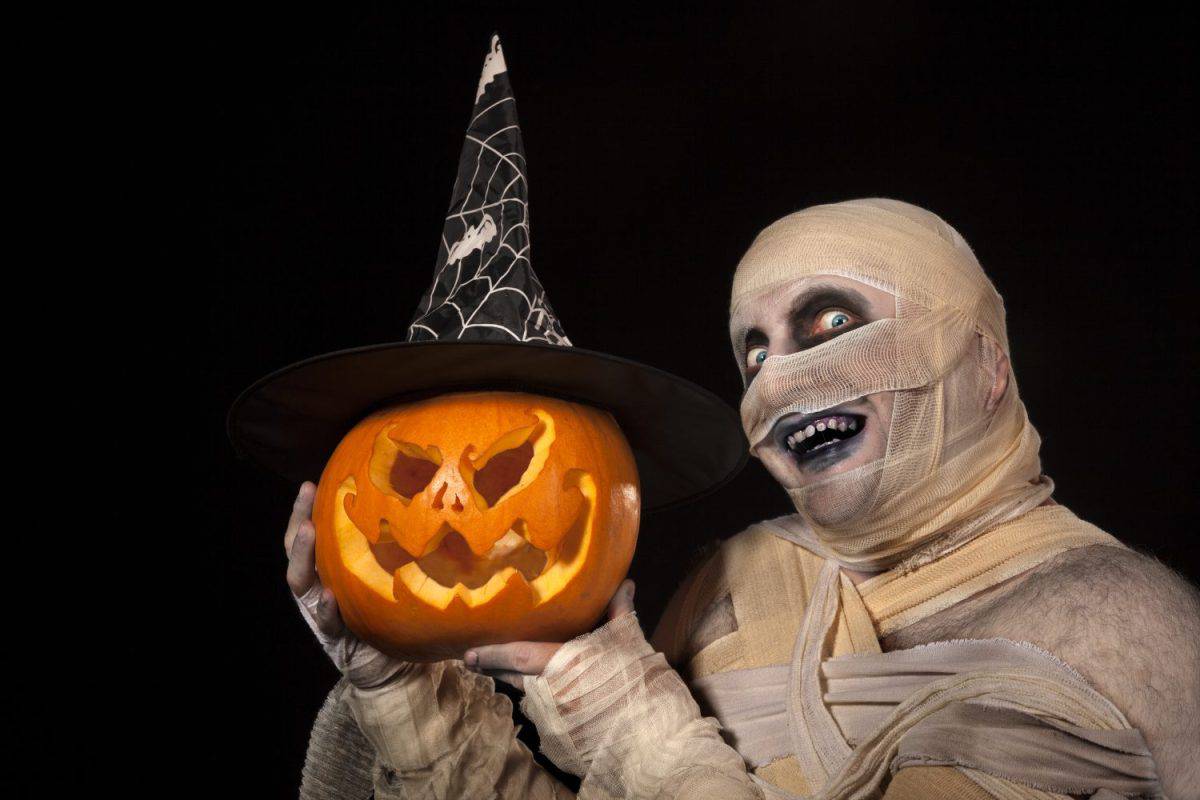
(756, 356)
(832, 319)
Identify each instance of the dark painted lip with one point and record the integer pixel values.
(826, 457)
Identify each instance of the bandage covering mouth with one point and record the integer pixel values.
(951, 466)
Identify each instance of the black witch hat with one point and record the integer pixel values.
(485, 323)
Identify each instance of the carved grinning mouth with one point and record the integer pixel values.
(448, 569)
(452, 561)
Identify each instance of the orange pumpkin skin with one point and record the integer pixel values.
(428, 550)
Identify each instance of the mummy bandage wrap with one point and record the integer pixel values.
(951, 466)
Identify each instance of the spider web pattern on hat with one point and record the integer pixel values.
(484, 287)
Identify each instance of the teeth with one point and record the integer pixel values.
(837, 423)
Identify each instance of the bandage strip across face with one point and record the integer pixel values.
(919, 351)
(949, 461)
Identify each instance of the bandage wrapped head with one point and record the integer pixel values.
(955, 463)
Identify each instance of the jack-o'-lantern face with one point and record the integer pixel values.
(476, 518)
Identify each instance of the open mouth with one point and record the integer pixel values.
(819, 438)
(452, 561)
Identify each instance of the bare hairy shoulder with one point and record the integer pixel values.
(1096, 602)
(1131, 626)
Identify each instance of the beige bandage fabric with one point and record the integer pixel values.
(340, 762)
(818, 711)
(813, 706)
(440, 732)
(952, 468)
(609, 709)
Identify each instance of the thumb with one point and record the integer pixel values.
(327, 616)
(622, 600)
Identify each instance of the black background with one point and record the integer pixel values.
(1055, 140)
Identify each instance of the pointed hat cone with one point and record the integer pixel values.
(485, 323)
(484, 287)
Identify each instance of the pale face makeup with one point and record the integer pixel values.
(805, 449)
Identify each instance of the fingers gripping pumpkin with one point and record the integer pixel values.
(475, 518)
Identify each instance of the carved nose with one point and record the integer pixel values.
(439, 500)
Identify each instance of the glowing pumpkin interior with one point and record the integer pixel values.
(476, 518)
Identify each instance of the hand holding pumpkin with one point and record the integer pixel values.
(511, 662)
(362, 664)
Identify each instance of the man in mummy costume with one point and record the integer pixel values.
(929, 623)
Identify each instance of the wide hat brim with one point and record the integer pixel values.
(686, 440)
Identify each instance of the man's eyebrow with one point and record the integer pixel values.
(755, 337)
(819, 298)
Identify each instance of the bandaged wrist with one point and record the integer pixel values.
(421, 723)
(609, 709)
(362, 664)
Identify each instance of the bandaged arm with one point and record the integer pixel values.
(441, 732)
(609, 709)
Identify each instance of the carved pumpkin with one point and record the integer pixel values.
(476, 518)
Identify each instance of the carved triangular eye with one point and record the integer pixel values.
(511, 463)
(502, 472)
(402, 468)
(409, 475)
